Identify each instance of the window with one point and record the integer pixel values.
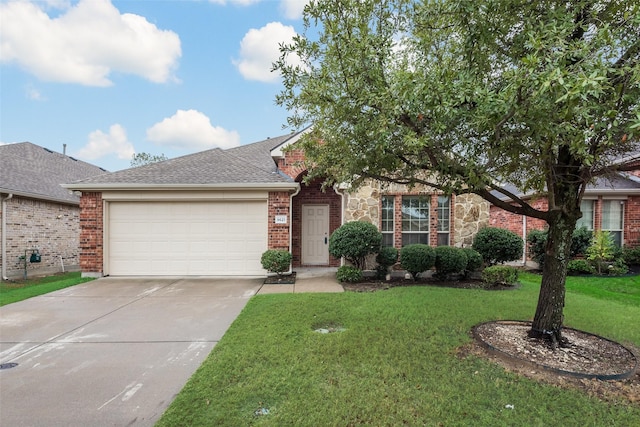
(612, 214)
(587, 208)
(415, 220)
(387, 227)
(443, 220)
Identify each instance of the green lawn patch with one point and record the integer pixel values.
(392, 360)
(11, 292)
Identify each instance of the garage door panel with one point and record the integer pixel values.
(186, 238)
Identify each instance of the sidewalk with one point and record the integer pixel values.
(307, 280)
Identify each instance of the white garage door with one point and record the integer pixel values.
(186, 238)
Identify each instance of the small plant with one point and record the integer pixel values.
(276, 261)
(474, 259)
(579, 266)
(631, 256)
(449, 260)
(602, 250)
(417, 258)
(349, 274)
(618, 268)
(387, 256)
(354, 241)
(500, 275)
(498, 245)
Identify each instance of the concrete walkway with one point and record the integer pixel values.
(116, 351)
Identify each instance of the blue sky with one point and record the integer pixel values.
(110, 78)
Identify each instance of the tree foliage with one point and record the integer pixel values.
(464, 96)
(141, 159)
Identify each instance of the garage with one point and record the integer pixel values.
(186, 238)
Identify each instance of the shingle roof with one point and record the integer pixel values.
(29, 170)
(247, 164)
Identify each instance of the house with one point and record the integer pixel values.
(609, 203)
(37, 213)
(216, 212)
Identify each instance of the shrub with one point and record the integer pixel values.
(618, 268)
(579, 266)
(631, 256)
(354, 241)
(417, 258)
(474, 259)
(449, 260)
(537, 240)
(500, 275)
(602, 249)
(497, 245)
(348, 273)
(387, 256)
(276, 260)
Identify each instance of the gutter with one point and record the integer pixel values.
(343, 195)
(228, 186)
(291, 196)
(4, 236)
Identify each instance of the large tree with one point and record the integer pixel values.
(467, 95)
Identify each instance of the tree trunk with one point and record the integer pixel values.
(548, 320)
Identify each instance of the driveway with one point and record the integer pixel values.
(111, 352)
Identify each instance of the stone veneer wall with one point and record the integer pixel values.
(52, 228)
(470, 214)
(91, 234)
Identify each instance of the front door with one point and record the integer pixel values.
(315, 234)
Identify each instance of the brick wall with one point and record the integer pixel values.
(293, 164)
(632, 222)
(91, 238)
(50, 227)
(279, 233)
(313, 194)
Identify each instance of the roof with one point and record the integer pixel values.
(247, 166)
(29, 170)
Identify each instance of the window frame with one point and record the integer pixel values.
(385, 220)
(440, 210)
(617, 233)
(409, 235)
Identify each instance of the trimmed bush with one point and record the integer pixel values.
(497, 245)
(500, 275)
(417, 258)
(580, 241)
(449, 260)
(631, 256)
(579, 266)
(474, 259)
(348, 273)
(276, 260)
(537, 240)
(354, 241)
(387, 256)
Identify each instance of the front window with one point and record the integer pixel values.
(443, 220)
(587, 209)
(415, 220)
(612, 215)
(387, 220)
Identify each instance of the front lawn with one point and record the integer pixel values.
(11, 292)
(395, 362)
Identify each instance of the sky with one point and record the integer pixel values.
(112, 78)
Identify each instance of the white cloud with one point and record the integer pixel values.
(85, 43)
(191, 129)
(101, 144)
(292, 9)
(259, 49)
(238, 2)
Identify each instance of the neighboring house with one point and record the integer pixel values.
(216, 212)
(37, 213)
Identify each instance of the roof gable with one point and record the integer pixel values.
(32, 171)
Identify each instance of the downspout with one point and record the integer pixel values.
(4, 236)
(524, 239)
(291, 196)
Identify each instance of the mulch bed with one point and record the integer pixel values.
(373, 285)
(289, 279)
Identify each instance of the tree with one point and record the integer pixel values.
(141, 159)
(465, 95)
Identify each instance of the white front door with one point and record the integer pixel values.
(315, 234)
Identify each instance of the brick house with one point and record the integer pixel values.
(611, 204)
(215, 213)
(36, 213)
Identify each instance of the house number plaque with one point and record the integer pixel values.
(281, 219)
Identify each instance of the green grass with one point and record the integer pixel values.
(11, 292)
(394, 364)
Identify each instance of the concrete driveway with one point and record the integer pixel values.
(111, 352)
